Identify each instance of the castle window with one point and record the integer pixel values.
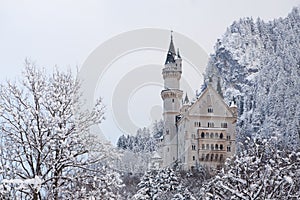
(228, 149)
(210, 110)
(207, 157)
(217, 146)
(211, 135)
(197, 124)
(207, 146)
(221, 146)
(193, 147)
(202, 135)
(216, 157)
(202, 158)
(221, 136)
(224, 125)
(228, 137)
(172, 100)
(221, 157)
(212, 147)
(216, 135)
(211, 157)
(210, 124)
(193, 157)
(203, 146)
(207, 135)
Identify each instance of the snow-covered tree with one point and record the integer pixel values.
(162, 184)
(45, 132)
(261, 171)
(258, 62)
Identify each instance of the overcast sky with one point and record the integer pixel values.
(65, 32)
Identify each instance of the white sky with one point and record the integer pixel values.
(65, 32)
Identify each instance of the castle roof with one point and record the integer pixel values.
(171, 52)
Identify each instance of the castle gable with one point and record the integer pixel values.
(210, 103)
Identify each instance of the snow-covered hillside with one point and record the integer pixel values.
(259, 63)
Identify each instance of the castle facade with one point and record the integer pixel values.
(201, 132)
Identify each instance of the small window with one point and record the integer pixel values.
(202, 135)
(221, 136)
(216, 135)
(221, 157)
(221, 146)
(217, 147)
(224, 125)
(210, 110)
(207, 146)
(216, 157)
(193, 157)
(228, 149)
(203, 146)
(210, 124)
(193, 147)
(207, 135)
(211, 157)
(212, 147)
(211, 135)
(172, 100)
(207, 157)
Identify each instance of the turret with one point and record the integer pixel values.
(172, 96)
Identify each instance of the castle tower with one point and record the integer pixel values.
(172, 97)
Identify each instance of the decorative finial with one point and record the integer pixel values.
(171, 34)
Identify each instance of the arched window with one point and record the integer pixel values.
(216, 157)
(212, 146)
(203, 155)
(207, 135)
(217, 146)
(211, 157)
(221, 146)
(207, 157)
(203, 146)
(216, 135)
(221, 136)
(207, 146)
(211, 135)
(202, 135)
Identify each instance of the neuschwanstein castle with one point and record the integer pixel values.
(195, 133)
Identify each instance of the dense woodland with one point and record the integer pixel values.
(47, 151)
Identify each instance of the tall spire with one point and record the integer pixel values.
(171, 53)
(186, 99)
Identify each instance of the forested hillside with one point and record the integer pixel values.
(259, 63)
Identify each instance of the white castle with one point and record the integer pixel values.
(195, 133)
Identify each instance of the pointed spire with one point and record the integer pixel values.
(171, 47)
(171, 53)
(186, 99)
